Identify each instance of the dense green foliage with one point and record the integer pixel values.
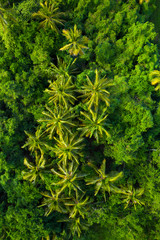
(79, 120)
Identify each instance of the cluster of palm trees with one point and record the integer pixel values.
(61, 125)
(50, 17)
(62, 131)
(67, 130)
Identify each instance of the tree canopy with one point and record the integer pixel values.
(79, 114)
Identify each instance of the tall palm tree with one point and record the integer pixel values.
(103, 181)
(62, 92)
(156, 79)
(53, 202)
(34, 142)
(69, 148)
(94, 125)
(34, 170)
(77, 42)
(76, 226)
(50, 15)
(69, 177)
(78, 206)
(62, 70)
(95, 92)
(58, 121)
(131, 196)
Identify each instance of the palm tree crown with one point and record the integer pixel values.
(50, 15)
(76, 225)
(77, 42)
(62, 92)
(53, 202)
(131, 195)
(78, 206)
(35, 170)
(94, 125)
(62, 70)
(69, 177)
(103, 181)
(58, 121)
(69, 148)
(94, 92)
(34, 142)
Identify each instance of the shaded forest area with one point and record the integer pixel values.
(79, 120)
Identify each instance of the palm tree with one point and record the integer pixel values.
(131, 196)
(78, 206)
(50, 15)
(35, 170)
(94, 125)
(62, 70)
(103, 181)
(76, 226)
(53, 202)
(62, 92)
(34, 142)
(76, 41)
(69, 148)
(69, 177)
(156, 79)
(58, 121)
(95, 92)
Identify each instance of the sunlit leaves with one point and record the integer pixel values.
(77, 206)
(61, 92)
(62, 70)
(34, 142)
(94, 125)
(69, 148)
(116, 32)
(54, 237)
(77, 42)
(53, 202)
(103, 181)
(156, 79)
(95, 92)
(142, 1)
(131, 196)
(76, 225)
(69, 177)
(57, 121)
(50, 15)
(35, 170)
